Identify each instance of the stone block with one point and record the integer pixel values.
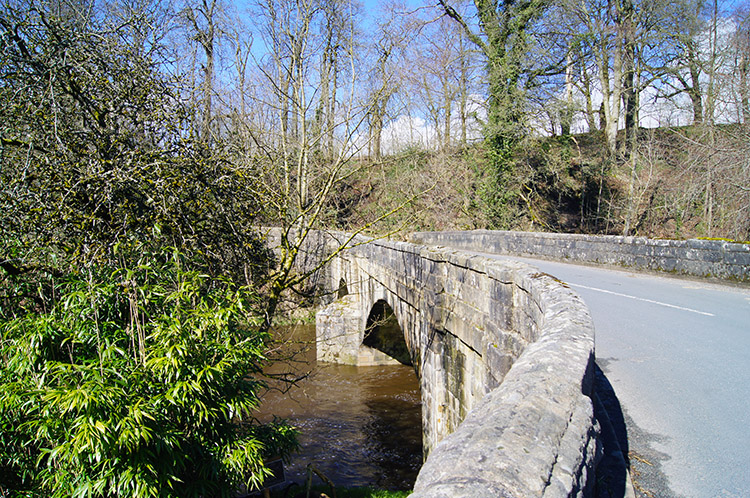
(498, 360)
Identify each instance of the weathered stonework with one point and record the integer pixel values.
(335, 342)
(504, 355)
(699, 258)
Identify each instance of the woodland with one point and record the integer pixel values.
(143, 143)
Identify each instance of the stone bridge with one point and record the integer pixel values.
(504, 356)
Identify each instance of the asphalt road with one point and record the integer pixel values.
(677, 353)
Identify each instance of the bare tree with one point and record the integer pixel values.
(205, 20)
(741, 45)
(605, 25)
(392, 37)
(502, 40)
(446, 80)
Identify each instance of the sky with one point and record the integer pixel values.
(403, 131)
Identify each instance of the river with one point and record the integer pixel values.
(360, 426)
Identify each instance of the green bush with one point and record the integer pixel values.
(133, 380)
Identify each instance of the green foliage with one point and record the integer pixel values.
(499, 185)
(96, 148)
(125, 370)
(134, 380)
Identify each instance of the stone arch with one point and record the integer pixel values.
(343, 290)
(383, 333)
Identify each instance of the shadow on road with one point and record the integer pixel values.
(612, 476)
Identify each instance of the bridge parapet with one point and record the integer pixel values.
(719, 259)
(504, 355)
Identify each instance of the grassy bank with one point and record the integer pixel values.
(679, 183)
(365, 492)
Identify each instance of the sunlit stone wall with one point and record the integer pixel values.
(716, 258)
(504, 355)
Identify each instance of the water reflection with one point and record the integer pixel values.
(361, 426)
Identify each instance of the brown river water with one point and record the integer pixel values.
(360, 426)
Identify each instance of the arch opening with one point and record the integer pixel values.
(343, 290)
(384, 334)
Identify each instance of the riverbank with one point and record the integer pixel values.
(677, 186)
(356, 492)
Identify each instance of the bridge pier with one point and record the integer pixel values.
(338, 337)
(336, 329)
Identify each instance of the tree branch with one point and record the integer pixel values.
(453, 14)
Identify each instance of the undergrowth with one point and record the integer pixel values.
(676, 186)
(358, 492)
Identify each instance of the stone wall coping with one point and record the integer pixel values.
(533, 434)
(530, 435)
(705, 258)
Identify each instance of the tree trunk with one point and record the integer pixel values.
(321, 113)
(463, 93)
(744, 90)
(611, 96)
(331, 110)
(696, 99)
(206, 37)
(284, 104)
(631, 205)
(447, 100)
(586, 90)
(566, 115)
(208, 87)
(629, 89)
(376, 130)
(614, 98)
(711, 90)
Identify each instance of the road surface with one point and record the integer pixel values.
(677, 353)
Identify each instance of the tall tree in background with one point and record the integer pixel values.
(693, 55)
(605, 26)
(204, 20)
(627, 25)
(289, 33)
(335, 28)
(387, 53)
(444, 84)
(382, 91)
(502, 39)
(741, 41)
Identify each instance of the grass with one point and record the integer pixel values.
(365, 492)
(370, 493)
